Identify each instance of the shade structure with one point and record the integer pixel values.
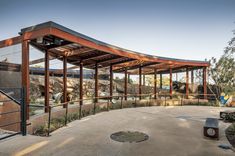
(61, 41)
(78, 49)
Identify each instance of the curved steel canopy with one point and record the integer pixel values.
(61, 41)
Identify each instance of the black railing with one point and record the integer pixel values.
(108, 99)
(21, 110)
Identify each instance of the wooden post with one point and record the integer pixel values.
(187, 80)
(160, 81)
(47, 83)
(176, 75)
(96, 82)
(81, 84)
(65, 79)
(125, 84)
(111, 82)
(171, 84)
(204, 83)
(140, 78)
(25, 74)
(155, 83)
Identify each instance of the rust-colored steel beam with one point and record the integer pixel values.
(102, 47)
(121, 64)
(179, 68)
(81, 84)
(77, 51)
(165, 69)
(37, 46)
(10, 41)
(88, 43)
(65, 80)
(96, 57)
(96, 82)
(155, 83)
(107, 61)
(62, 44)
(204, 83)
(94, 45)
(134, 65)
(111, 61)
(171, 84)
(122, 61)
(125, 85)
(47, 83)
(187, 83)
(140, 82)
(69, 68)
(36, 33)
(25, 74)
(111, 81)
(40, 60)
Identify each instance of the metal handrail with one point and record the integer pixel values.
(11, 98)
(108, 98)
(22, 110)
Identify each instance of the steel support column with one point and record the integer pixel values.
(140, 82)
(65, 80)
(47, 83)
(111, 82)
(204, 83)
(155, 83)
(96, 82)
(171, 84)
(186, 84)
(25, 74)
(125, 84)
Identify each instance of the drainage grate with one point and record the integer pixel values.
(129, 136)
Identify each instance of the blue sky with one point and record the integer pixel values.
(182, 29)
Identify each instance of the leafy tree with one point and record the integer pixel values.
(222, 71)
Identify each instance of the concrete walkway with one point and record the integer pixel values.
(172, 131)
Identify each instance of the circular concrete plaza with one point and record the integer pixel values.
(171, 131)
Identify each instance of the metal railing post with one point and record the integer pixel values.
(49, 122)
(23, 113)
(94, 109)
(80, 112)
(66, 114)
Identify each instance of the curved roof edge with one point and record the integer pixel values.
(97, 42)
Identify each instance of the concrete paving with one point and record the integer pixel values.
(171, 130)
